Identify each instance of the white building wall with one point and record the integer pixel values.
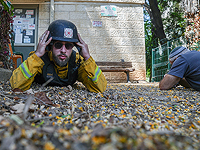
(120, 37)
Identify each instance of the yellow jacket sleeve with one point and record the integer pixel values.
(91, 76)
(23, 76)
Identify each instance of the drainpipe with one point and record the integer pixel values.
(51, 11)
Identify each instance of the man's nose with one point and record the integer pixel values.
(63, 49)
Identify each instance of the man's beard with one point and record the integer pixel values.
(59, 62)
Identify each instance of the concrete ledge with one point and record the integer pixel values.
(142, 83)
(5, 74)
(95, 1)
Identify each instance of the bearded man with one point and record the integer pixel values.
(55, 57)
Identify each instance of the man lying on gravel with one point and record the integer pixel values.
(55, 59)
(185, 69)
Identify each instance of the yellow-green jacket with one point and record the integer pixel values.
(88, 73)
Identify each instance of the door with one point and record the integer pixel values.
(25, 28)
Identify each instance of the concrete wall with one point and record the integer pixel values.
(120, 37)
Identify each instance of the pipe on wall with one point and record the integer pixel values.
(52, 11)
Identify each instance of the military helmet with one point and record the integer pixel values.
(63, 30)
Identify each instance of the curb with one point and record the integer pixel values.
(5, 74)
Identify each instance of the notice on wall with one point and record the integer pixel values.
(31, 21)
(31, 26)
(27, 39)
(29, 12)
(18, 38)
(24, 26)
(109, 10)
(25, 21)
(17, 29)
(29, 32)
(97, 23)
(17, 21)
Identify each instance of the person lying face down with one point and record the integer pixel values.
(185, 69)
(55, 59)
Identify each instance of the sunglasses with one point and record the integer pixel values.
(59, 45)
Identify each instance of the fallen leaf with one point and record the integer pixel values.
(17, 90)
(41, 98)
(18, 108)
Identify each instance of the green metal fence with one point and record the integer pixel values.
(160, 63)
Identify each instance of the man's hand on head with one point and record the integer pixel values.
(40, 51)
(84, 48)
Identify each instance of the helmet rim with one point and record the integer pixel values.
(64, 39)
(57, 31)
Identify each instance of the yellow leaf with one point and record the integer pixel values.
(99, 139)
(49, 146)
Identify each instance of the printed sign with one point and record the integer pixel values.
(108, 10)
(24, 25)
(27, 40)
(68, 33)
(29, 32)
(18, 38)
(31, 26)
(97, 23)
(29, 12)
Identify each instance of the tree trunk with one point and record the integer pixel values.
(156, 19)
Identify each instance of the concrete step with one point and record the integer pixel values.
(5, 74)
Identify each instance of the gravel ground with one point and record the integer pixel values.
(125, 116)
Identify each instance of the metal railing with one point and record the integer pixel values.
(160, 63)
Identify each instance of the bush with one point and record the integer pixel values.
(6, 20)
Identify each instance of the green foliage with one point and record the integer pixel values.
(6, 20)
(174, 23)
(174, 26)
